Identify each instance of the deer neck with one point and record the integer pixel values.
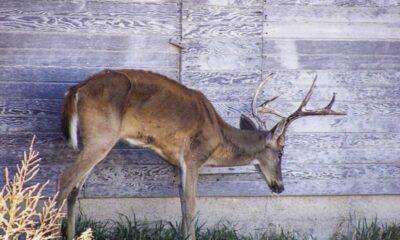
(238, 147)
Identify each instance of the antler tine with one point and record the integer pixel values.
(254, 100)
(262, 107)
(309, 93)
(257, 92)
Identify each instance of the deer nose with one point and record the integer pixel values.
(277, 186)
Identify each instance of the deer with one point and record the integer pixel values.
(179, 124)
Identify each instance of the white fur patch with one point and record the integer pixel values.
(73, 127)
(139, 143)
(183, 170)
(255, 162)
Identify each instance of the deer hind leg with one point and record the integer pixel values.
(71, 207)
(72, 179)
(98, 138)
(187, 191)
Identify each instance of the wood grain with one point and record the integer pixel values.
(150, 180)
(342, 3)
(143, 44)
(353, 47)
(93, 24)
(331, 77)
(229, 93)
(334, 14)
(114, 59)
(230, 3)
(340, 61)
(323, 30)
(61, 74)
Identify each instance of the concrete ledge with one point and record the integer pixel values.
(318, 215)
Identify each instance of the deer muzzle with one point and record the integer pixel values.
(277, 186)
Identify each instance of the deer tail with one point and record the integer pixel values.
(70, 119)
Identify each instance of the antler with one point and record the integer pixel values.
(262, 108)
(302, 112)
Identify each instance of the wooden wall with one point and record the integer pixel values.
(353, 46)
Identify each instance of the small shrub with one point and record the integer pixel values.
(19, 214)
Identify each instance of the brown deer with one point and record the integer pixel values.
(179, 124)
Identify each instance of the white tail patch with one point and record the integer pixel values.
(73, 125)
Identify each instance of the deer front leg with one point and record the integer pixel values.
(187, 191)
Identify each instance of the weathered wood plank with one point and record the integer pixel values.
(116, 59)
(222, 54)
(33, 90)
(138, 44)
(220, 62)
(31, 124)
(158, 10)
(231, 30)
(30, 107)
(210, 22)
(240, 46)
(341, 61)
(225, 3)
(55, 6)
(62, 74)
(217, 15)
(196, 79)
(141, 8)
(322, 30)
(337, 77)
(356, 47)
(296, 93)
(333, 77)
(368, 179)
(329, 13)
(343, 3)
(93, 24)
(339, 124)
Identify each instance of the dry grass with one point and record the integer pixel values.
(19, 214)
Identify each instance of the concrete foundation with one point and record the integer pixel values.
(320, 216)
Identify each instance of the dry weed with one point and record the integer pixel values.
(19, 201)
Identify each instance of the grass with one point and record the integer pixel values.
(130, 228)
(362, 229)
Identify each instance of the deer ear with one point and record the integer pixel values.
(246, 123)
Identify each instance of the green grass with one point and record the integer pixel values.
(362, 229)
(130, 228)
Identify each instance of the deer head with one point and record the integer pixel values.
(269, 161)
